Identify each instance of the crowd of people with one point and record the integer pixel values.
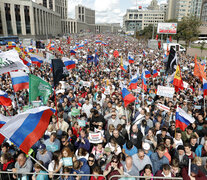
(138, 140)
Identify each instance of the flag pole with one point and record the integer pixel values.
(126, 115)
(6, 110)
(27, 154)
(38, 163)
(204, 104)
(56, 113)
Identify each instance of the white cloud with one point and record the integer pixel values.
(107, 11)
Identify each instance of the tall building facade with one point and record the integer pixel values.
(204, 11)
(84, 14)
(28, 19)
(183, 8)
(135, 20)
(196, 7)
(171, 9)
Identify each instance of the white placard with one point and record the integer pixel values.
(185, 84)
(86, 83)
(95, 137)
(165, 91)
(163, 107)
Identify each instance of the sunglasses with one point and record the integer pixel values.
(141, 156)
(114, 161)
(90, 160)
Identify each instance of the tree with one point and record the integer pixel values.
(202, 47)
(188, 29)
(147, 32)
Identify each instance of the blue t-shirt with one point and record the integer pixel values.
(130, 152)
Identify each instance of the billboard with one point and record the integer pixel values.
(167, 28)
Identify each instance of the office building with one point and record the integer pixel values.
(196, 7)
(135, 20)
(84, 14)
(204, 11)
(26, 18)
(171, 9)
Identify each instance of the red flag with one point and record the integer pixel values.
(170, 39)
(60, 50)
(199, 70)
(68, 40)
(116, 54)
(178, 82)
(157, 37)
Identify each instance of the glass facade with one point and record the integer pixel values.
(8, 18)
(18, 19)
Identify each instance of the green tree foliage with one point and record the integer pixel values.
(188, 29)
(147, 31)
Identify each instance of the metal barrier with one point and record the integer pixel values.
(137, 177)
(85, 175)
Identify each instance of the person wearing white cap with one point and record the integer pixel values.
(146, 148)
(140, 160)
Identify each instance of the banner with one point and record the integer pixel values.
(38, 87)
(165, 91)
(163, 107)
(167, 28)
(95, 137)
(10, 61)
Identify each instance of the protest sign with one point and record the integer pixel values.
(165, 91)
(95, 137)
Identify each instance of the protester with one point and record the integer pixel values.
(112, 116)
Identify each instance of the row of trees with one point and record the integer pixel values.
(187, 30)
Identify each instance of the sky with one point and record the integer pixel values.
(108, 11)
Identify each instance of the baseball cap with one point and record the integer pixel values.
(194, 168)
(42, 147)
(146, 146)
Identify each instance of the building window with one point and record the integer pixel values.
(8, 18)
(1, 26)
(130, 16)
(83, 10)
(135, 16)
(18, 18)
(45, 3)
(83, 18)
(27, 19)
(79, 10)
(50, 4)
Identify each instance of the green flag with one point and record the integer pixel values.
(38, 87)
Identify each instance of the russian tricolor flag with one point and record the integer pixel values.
(69, 64)
(20, 80)
(72, 52)
(155, 73)
(147, 74)
(144, 83)
(30, 48)
(26, 128)
(204, 87)
(81, 46)
(36, 59)
(103, 44)
(182, 119)
(4, 99)
(144, 53)
(86, 41)
(26, 61)
(127, 97)
(77, 44)
(133, 82)
(131, 59)
(106, 53)
(98, 42)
